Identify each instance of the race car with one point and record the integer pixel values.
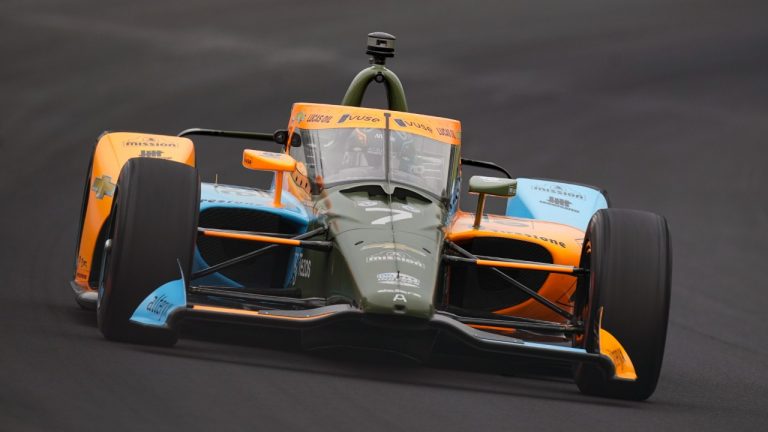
(360, 242)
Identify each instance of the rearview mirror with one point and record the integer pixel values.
(268, 161)
(495, 186)
(501, 187)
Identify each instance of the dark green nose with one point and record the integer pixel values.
(392, 274)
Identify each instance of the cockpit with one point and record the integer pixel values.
(376, 145)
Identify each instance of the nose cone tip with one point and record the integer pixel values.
(398, 300)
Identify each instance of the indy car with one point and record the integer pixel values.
(360, 242)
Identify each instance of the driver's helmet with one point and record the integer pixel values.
(364, 147)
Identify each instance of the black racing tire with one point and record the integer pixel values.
(630, 261)
(152, 240)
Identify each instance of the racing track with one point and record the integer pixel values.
(664, 103)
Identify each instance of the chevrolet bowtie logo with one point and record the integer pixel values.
(103, 186)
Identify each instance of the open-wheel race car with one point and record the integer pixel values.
(360, 242)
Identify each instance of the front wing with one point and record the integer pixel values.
(169, 305)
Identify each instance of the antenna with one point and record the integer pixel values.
(380, 46)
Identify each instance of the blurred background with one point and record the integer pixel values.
(662, 103)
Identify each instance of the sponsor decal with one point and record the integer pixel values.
(81, 275)
(149, 142)
(394, 256)
(227, 190)
(318, 118)
(494, 180)
(395, 246)
(305, 267)
(413, 124)
(271, 155)
(301, 179)
(559, 203)
(221, 201)
(399, 291)
(411, 209)
(398, 278)
(450, 133)
(544, 239)
(81, 262)
(618, 357)
(367, 203)
(509, 222)
(103, 186)
(151, 153)
(302, 268)
(399, 297)
(159, 305)
(556, 189)
(529, 235)
(357, 117)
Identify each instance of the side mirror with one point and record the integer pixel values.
(268, 161)
(295, 140)
(501, 187)
(495, 186)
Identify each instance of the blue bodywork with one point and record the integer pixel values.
(227, 196)
(553, 201)
(156, 308)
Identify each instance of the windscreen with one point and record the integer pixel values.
(345, 155)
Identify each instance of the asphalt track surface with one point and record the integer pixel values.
(663, 103)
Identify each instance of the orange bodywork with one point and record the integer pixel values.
(562, 241)
(611, 348)
(112, 151)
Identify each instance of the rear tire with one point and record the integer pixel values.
(628, 254)
(153, 232)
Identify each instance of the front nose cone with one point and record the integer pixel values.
(394, 277)
(399, 293)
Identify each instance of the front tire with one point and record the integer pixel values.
(628, 254)
(153, 232)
